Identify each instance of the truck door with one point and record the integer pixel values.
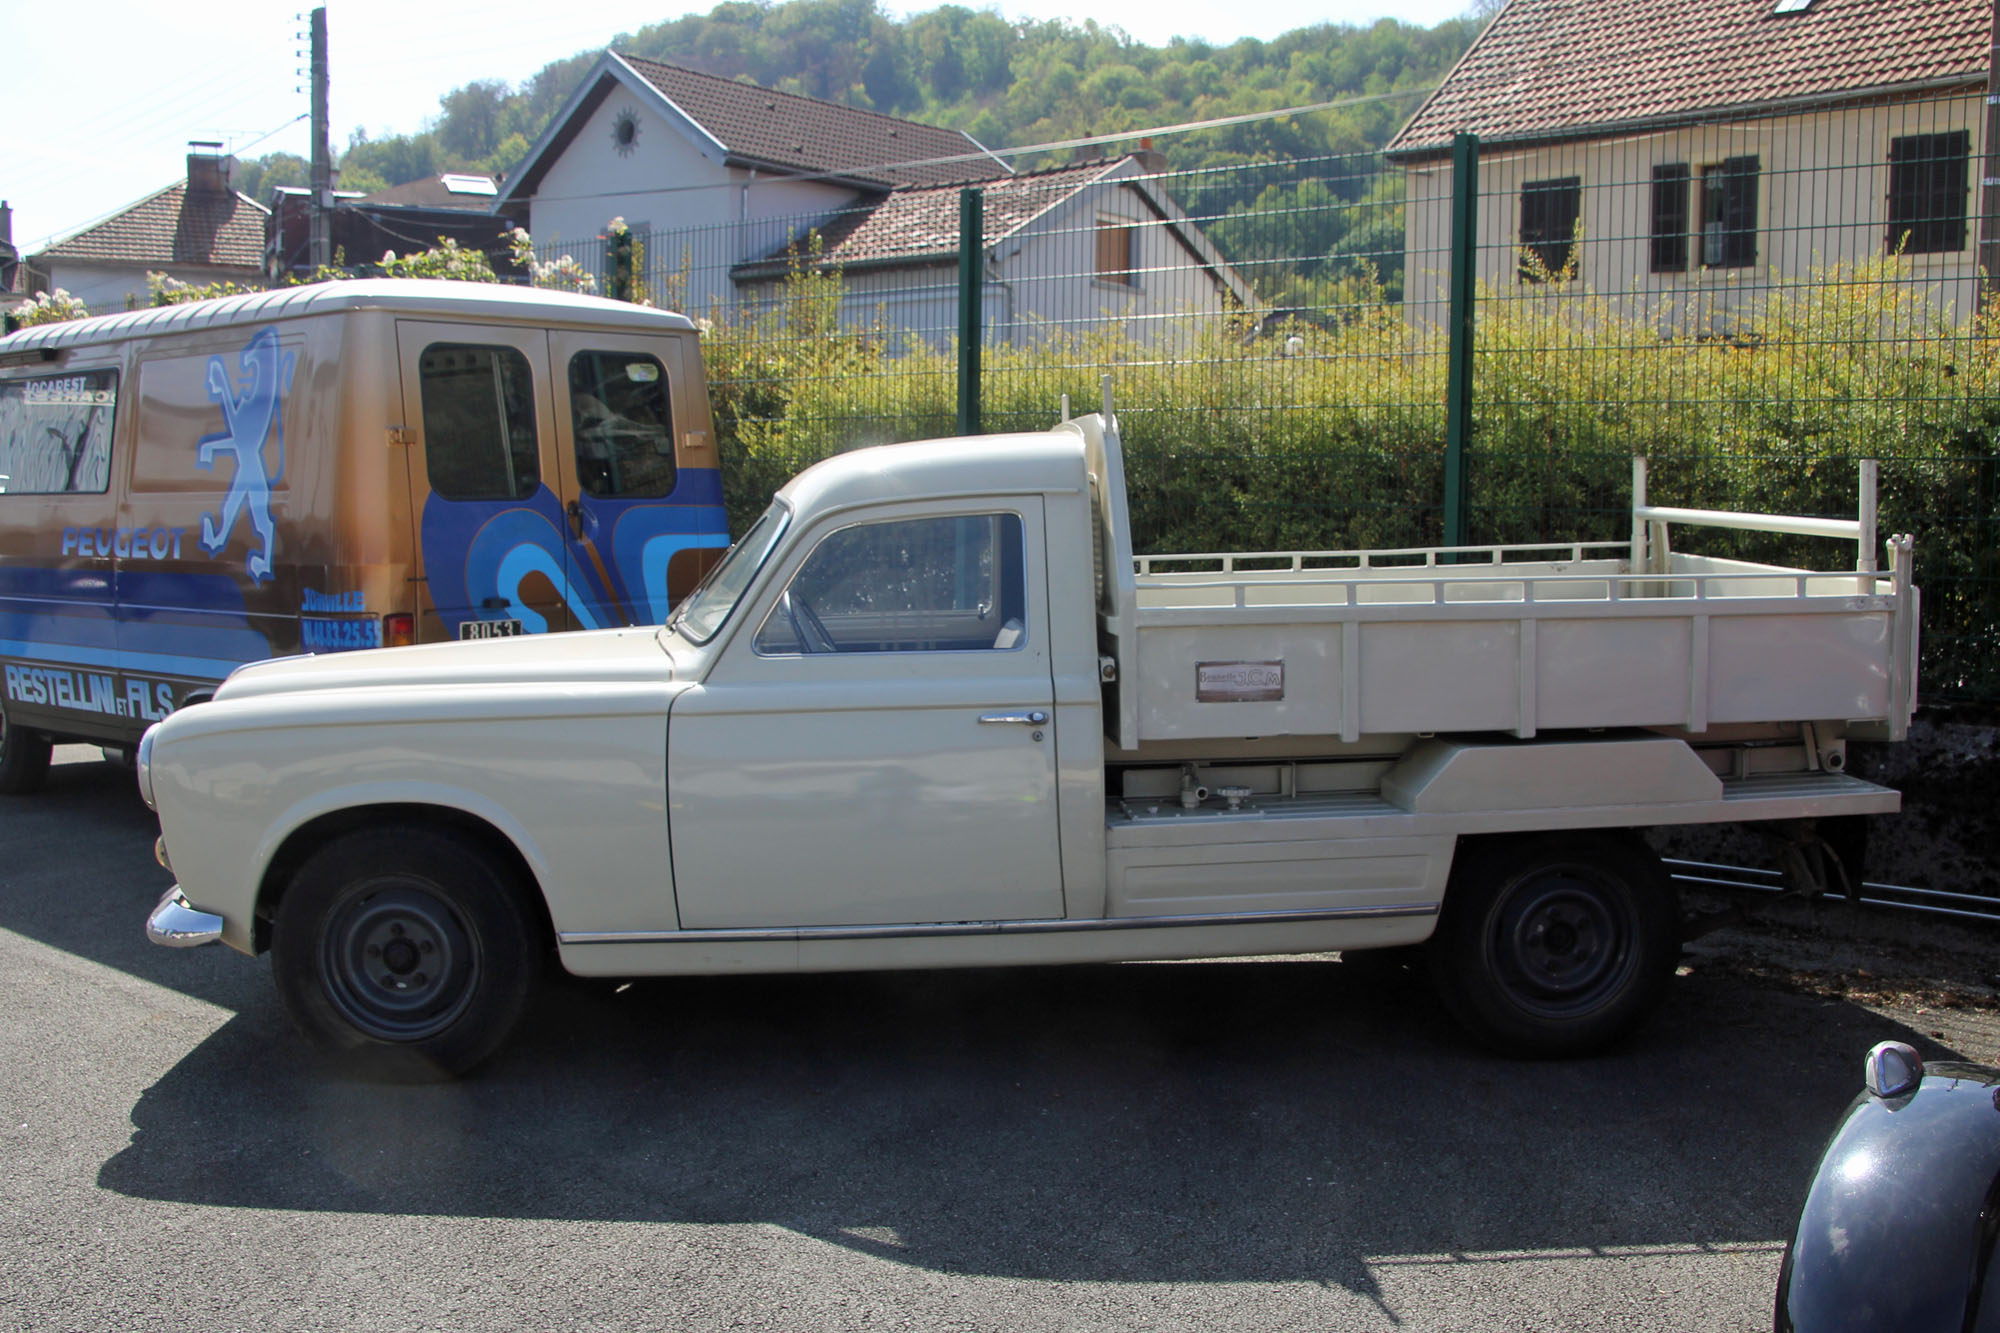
(642, 529)
(875, 744)
(477, 404)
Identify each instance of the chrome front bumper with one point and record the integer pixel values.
(178, 925)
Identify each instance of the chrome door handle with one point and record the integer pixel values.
(1031, 719)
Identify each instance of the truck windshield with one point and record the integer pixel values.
(709, 605)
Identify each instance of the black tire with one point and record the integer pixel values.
(24, 758)
(407, 954)
(1554, 945)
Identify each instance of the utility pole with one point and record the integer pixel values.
(1989, 174)
(321, 251)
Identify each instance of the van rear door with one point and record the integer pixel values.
(489, 520)
(642, 528)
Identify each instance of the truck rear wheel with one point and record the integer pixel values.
(406, 954)
(24, 758)
(1553, 945)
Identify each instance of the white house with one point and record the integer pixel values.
(1075, 249)
(13, 276)
(1689, 156)
(710, 171)
(199, 230)
(725, 183)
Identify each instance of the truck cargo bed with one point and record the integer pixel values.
(1513, 639)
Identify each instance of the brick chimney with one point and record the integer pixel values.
(10, 258)
(210, 170)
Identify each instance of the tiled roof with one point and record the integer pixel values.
(912, 225)
(807, 134)
(1558, 67)
(172, 228)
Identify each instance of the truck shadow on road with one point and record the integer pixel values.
(1281, 1120)
(1242, 1121)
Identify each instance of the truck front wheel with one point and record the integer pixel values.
(24, 758)
(1553, 945)
(406, 954)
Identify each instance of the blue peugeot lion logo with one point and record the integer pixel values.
(250, 420)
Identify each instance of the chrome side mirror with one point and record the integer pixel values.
(1892, 1069)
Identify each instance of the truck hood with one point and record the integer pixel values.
(590, 656)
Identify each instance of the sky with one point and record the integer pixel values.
(100, 97)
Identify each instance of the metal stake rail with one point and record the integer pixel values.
(1649, 523)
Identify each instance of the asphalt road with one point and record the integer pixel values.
(1222, 1146)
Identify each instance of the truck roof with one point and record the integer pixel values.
(1027, 463)
(416, 296)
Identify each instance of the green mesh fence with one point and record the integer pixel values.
(1755, 305)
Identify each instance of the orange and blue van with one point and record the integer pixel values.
(332, 467)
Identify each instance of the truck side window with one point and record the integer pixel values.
(55, 433)
(624, 431)
(933, 585)
(479, 422)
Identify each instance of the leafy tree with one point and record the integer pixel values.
(471, 125)
(261, 175)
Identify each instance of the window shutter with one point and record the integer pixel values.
(1670, 218)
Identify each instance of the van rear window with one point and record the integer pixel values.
(479, 422)
(55, 433)
(624, 432)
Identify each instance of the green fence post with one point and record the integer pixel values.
(971, 287)
(1458, 356)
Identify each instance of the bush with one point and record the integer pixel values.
(1334, 438)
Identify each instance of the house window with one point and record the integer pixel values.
(1114, 251)
(1927, 192)
(1670, 218)
(1549, 211)
(1729, 214)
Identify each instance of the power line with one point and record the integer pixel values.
(56, 176)
(1054, 145)
(64, 232)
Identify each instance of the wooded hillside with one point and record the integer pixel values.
(1007, 84)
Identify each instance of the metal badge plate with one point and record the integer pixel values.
(1239, 682)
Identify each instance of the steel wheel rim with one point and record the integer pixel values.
(399, 963)
(1562, 941)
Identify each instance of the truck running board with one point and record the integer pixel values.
(749, 934)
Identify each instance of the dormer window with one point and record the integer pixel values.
(1114, 252)
(1791, 6)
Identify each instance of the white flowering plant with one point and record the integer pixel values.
(164, 289)
(561, 274)
(47, 308)
(447, 260)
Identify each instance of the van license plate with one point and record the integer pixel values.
(488, 629)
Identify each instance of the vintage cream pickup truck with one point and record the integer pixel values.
(930, 711)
